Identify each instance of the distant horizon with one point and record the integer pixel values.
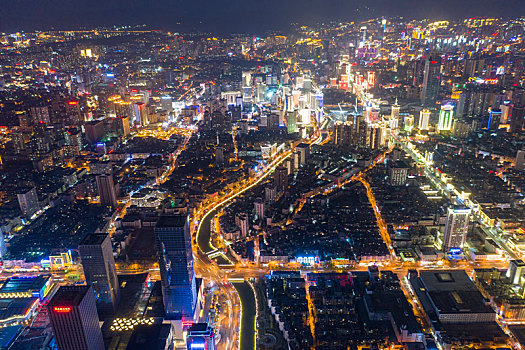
(234, 16)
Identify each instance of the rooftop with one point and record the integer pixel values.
(69, 295)
(24, 284)
(171, 221)
(447, 280)
(94, 239)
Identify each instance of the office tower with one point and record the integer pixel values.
(394, 114)
(94, 131)
(123, 125)
(424, 119)
(517, 119)
(106, 190)
(304, 150)
(3, 246)
(362, 38)
(288, 163)
(456, 228)
(246, 78)
(291, 122)
(519, 164)
(409, 123)
(72, 109)
(446, 118)
(200, 336)
(397, 173)
(431, 82)
(515, 271)
(167, 103)
(280, 177)
(40, 115)
(259, 208)
(296, 159)
(461, 129)
(98, 263)
(140, 110)
(219, 155)
(73, 138)
(28, 201)
(73, 315)
(179, 291)
(241, 220)
(270, 193)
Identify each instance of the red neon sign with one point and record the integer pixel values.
(72, 103)
(62, 309)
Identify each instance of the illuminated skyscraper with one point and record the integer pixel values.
(179, 291)
(73, 315)
(424, 119)
(98, 263)
(394, 116)
(456, 228)
(446, 118)
(431, 82)
(409, 123)
(362, 38)
(28, 201)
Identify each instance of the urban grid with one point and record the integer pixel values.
(343, 185)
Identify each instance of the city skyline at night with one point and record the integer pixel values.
(262, 175)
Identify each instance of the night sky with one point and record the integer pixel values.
(238, 16)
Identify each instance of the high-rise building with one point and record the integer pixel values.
(241, 220)
(40, 115)
(519, 164)
(140, 110)
(394, 114)
(424, 119)
(409, 123)
(219, 155)
(179, 291)
(123, 125)
(456, 228)
(288, 163)
(259, 208)
(446, 118)
(106, 190)
(98, 263)
(73, 315)
(94, 131)
(515, 272)
(3, 246)
(200, 336)
(431, 82)
(281, 177)
(270, 193)
(517, 119)
(304, 149)
(291, 122)
(28, 201)
(397, 173)
(362, 35)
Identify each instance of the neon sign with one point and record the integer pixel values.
(62, 309)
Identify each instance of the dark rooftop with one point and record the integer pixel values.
(69, 295)
(171, 221)
(94, 239)
(152, 337)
